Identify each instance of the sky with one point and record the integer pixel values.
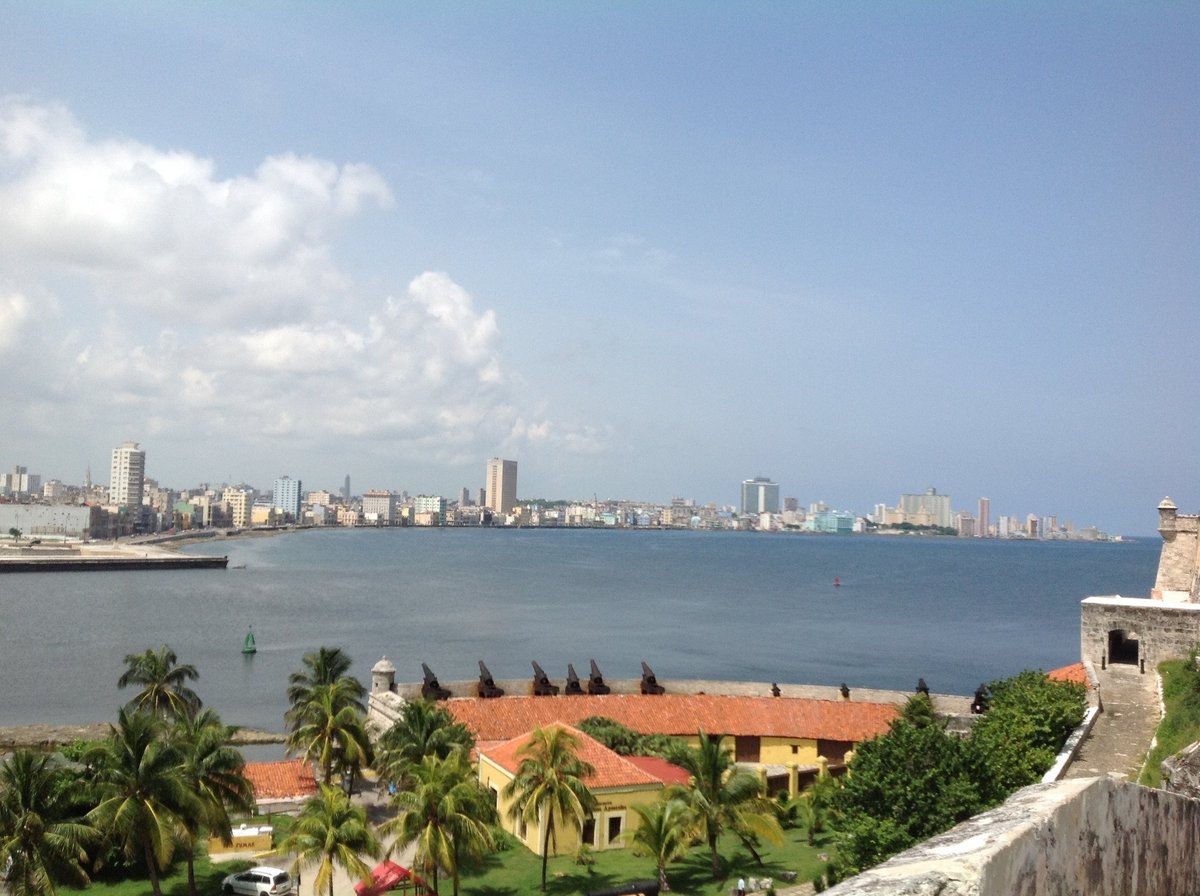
(646, 250)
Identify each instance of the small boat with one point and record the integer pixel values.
(248, 646)
(837, 581)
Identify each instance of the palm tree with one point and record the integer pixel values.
(331, 832)
(40, 842)
(425, 729)
(214, 774)
(549, 785)
(720, 797)
(143, 792)
(324, 666)
(446, 813)
(163, 681)
(663, 833)
(330, 729)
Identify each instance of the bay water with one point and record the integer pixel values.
(738, 606)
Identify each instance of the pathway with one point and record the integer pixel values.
(1122, 734)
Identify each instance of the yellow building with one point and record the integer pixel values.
(618, 783)
(788, 738)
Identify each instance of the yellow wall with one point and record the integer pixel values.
(778, 751)
(612, 805)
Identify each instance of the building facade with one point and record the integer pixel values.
(760, 495)
(501, 485)
(285, 496)
(128, 475)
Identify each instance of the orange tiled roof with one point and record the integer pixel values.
(667, 772)
(281, 780)
(680, 714)
(611, 769)
(1074, 673)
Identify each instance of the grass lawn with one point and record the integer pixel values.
(517, 871)
(1180, 725)
(174, 881)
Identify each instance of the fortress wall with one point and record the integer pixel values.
(1164, 631)
(1088, 836)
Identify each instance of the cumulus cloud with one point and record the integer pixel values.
(172, 301)
(160, 231)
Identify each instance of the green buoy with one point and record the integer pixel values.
(248, 647)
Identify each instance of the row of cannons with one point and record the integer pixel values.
(542, 686)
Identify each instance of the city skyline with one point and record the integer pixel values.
(866, 250)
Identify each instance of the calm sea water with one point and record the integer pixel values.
(693, 605)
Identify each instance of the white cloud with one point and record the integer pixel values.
(211, 312)
(158, 231)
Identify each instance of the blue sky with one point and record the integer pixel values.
(647, 250)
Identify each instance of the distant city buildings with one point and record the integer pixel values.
(128, 476)
(760, 495)
(118, 510)
(501, 485)
(285, 497)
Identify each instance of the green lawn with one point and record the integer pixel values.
(174, 881)
(517, 872)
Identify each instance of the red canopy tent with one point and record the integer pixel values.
(390, 876)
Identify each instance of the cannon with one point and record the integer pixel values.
(431, 690)
(650, 684)
(541, 683)
(596, 685)
(573, 687)
(487, 684)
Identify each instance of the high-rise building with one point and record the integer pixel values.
(501, 485)
(985, 523)
(346, 490)
(285, 496)
(760, 495)
(935, 506)
(241, 502)
(128, 476)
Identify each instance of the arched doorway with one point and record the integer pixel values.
(1122, 646)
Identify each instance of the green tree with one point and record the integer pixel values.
(425, 729)
(331, 832)
(549, 786)
(163, 681)
(41, 839)
(214, 773)
(143, 793)
(664, 833)
(14, 533)
(325, 666)
(446, 813)
(905, 786)
(722, 797)
(330, 729)
(1016, 741)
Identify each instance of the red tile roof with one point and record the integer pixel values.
(281, 780)
(681, 714)
(1075, 673)
(665, 771)
(611, 770)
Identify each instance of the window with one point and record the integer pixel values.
(589, 832)
(614, 827)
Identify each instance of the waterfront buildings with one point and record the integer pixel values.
(128, 476)
(20, 482)
(984, 528)
(760, 495)
(285, 497)
(240, 501)
(379, 508)
(501, 485)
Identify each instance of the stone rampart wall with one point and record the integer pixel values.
(1164, 631)
(1088, 836)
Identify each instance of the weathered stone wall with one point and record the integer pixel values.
(1087, 836)
(1163, 630)
(1178, 576)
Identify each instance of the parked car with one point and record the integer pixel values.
(261, 881)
